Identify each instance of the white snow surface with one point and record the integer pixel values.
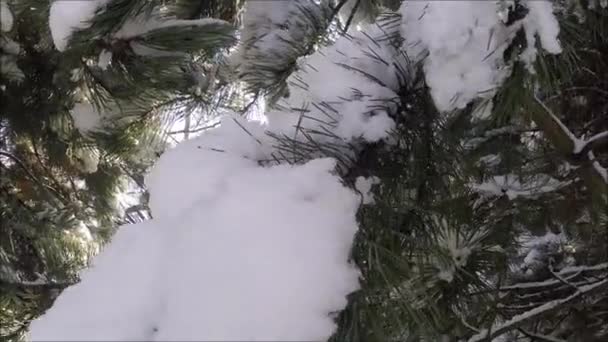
(85, 117)
(350, 103)
(6, 17)
(105, 59)
(236, 251)
(263, 23)
(461, 45)
(241, 248)
(513, 186)
(117, 299)
(66, 16)
(540, 22)
(364, 187)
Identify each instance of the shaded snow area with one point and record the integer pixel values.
(6, 17)
(243, 245)
(461, 44)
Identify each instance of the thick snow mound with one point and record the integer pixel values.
(236, 251)
(198, 168)
(120, 295)
(271, 261)
(461, 45)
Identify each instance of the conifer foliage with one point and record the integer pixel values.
(89, 92)
(396, 170)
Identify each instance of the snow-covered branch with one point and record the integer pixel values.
(568, 274)
(591, 143)
(567, 143)
(520, 319)
(38, 283)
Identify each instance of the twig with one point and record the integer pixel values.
(520, 319)
(541, 337)
(247, 131)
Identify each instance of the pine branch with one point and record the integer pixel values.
(540, 337)
(518, 320)
(31, 175)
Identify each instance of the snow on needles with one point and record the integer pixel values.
(86, 117)
(236, 251)
(243, 247)
(240, 247)
(461, 44)
(273, 251)
(66, 16)
(355, 102)
(6, 17)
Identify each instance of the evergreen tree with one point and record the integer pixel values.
(490, 197)
(82, 117)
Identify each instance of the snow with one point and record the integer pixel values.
(540, 22)
(249, 253)
(461, 45)
(267, 30)
(132, 28)
(579, 144)
(260, 23)
(9, 46)
(490, 160)
(220, 156)
(464, 41)
(537, 254)
(364, 187)
(67, 16)
(354, 104)
(533, 244)
(498, 329)
(240, 248)
(85, 117)
(105, 59)
(118, 291)
(513, 186)
(455, 248)
(87, 158)
(599, 169)
(6, 17)
(594, 3)
(137, 27)
(291, 269)
(10, 69)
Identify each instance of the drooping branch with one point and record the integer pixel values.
(518, 320)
